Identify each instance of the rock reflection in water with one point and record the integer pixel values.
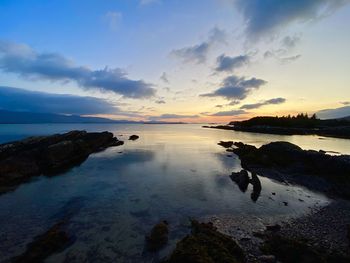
(242, 180)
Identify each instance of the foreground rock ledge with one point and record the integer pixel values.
(34, 156)
(206, 245)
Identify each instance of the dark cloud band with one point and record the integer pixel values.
(23, 60)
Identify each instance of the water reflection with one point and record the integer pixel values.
(115, 197)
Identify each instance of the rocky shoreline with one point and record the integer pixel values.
(288, 163)
(323, 229)
(335, 132)
(323, 235)
(48, 155)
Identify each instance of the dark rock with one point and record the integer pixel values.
(21, 160)
(54, 240)
(241, 179)
(273, 193)
(259, 234)
(285, 203)
(267, 258)
(158, 237)
(293, 250)
(206, 245)
(273, 228)
(226, 144)
(255, 181)
(134, 137)
(348, 234)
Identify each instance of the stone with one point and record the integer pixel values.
(133, 137)
(158, 237)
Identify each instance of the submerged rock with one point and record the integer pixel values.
(21, 160)
(158, 237)
(54, 240)
(206, 245)
(133, 137)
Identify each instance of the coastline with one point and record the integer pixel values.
(323, 228)
(338, 132)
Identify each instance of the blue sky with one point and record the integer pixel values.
(208, 60)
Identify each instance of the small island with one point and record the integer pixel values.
(300, 124)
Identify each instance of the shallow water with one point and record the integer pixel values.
(173, 172)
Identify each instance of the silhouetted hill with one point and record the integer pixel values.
(12, 117)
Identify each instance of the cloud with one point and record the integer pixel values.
(22, 60)
(149, 2)
(198, 53)
(113, 18)
(236, 88)
(233, 103)
(227, 63)
(345, 102)
(229, 113)
(160, 101)
(164, 77)
(15, 99)
(268, 16)
(266, 102)
(290, 42)
(334, 113)
(172, 116)
(281, 59)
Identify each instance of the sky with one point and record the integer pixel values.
(174, 60)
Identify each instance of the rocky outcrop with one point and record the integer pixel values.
(287, 162)
(206, 245)
(158, 237)
(336, 132)
(225, 144)
(46, 155)
(134, 137)
(54, 240)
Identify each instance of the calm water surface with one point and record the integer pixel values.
(112, 200)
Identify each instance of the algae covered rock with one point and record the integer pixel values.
(158, 236)
(206, 245)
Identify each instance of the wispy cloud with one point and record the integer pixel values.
(229, 64)
(149, 2)
(22, 60)
(15, 99)
(281, 59)
(264, 103)
(173, 116)
(236, 88)
(164, 77)
(113, 19)
(198, 53)
(229, 113)
(290, 42)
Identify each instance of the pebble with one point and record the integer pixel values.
(267, 258)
